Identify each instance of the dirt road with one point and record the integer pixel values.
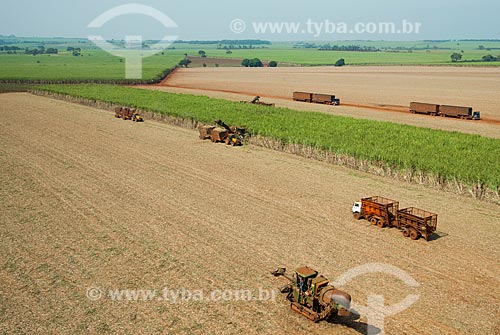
(90, 201)
(381, 93)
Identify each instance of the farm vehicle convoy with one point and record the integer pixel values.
(308, 293)
(460, 112)
(126, 113)
(325, 99)
(383, 212)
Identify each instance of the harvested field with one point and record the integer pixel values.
(369, 92)
(93, 201)
(212, 61)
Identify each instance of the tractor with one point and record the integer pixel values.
(256, 101)
(311, 295)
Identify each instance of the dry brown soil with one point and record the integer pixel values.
(87, 200)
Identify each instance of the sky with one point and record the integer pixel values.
(215, 20)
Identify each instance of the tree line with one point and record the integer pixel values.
(456, 57)
(35, 51)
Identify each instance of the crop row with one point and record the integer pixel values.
(450, 156)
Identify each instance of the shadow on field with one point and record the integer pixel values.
(352, 321)
(437, 235)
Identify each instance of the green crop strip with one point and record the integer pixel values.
(456, 156)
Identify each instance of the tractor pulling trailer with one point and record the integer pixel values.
(459, 112)
(383, 212)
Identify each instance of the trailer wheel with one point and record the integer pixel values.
(381, 224)
(414, 235)
(373, 221)
(406, 232)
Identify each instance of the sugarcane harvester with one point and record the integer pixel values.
(312, 296)
(221, 132)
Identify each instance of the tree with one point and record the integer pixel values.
(455, 57)
(202, 53)
(70, 49)
(256, 63)
(489, 58)
(185, 62)
(481, 47)
(229, 52)
(273, 63)
(246, 62)
(340, 62)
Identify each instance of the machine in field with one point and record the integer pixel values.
(311, 295)
(256, 101)
(126, 113)
(325, 99)
(459, 112)
(221, 132)
(383, 212)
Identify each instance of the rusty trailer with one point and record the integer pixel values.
(460, 112)
(378, 211)
(424, 108)
(302, 96)
(205, 131)
(326, 99)
(218, 135)
(415, 222)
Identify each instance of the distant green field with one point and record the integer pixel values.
(94, 64)
(286, 53)
(465, 158)
(316, 57)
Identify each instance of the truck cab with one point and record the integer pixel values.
(356, 208)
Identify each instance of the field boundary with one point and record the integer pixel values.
(165, 74)
(417, 177)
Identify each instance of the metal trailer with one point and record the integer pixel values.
(326, 99)
(460, 112)
(219, 135)
(302, 96)
(205, 131)
(415, 222)
(378, 210)
(424, 108)
(124, 113)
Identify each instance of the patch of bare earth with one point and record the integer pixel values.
(88, 200)
(380, 93)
